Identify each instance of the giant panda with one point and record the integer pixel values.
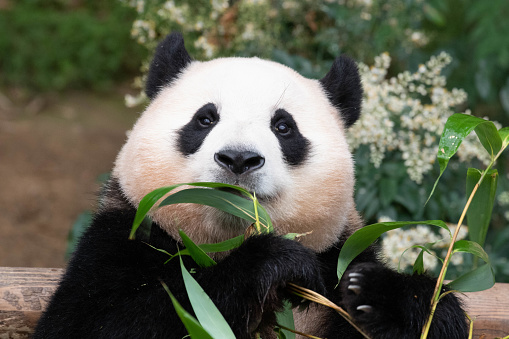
(262, 126)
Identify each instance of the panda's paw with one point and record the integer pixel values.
(366, 294)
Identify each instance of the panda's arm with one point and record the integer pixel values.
(387, 304)
(112, 285)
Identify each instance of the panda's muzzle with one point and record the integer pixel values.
(239, 162)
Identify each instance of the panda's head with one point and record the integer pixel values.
(247, 122)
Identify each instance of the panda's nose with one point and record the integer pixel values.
(239, 162)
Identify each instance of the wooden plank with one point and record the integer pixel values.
(25, 292)
(490, 311)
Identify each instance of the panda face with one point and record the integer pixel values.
(247, 122)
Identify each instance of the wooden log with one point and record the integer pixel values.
(25, 292)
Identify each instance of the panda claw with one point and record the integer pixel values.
(365, 308)
(354, 280)
(355, 275)
(355, 289)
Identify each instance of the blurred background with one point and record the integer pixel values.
(71, 73)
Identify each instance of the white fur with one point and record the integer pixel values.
(315, 196)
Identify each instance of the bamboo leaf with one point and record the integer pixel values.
(419, 263)
(207, 313)
(193, 327)
(198, 255)
(504, 135)
(471, 247)
(153, 197)
(365, 236)
(478, 279)
(457, 127)
(146, 204)
(479, 212)
(420, 258)
(224, 201)
(226, 245)
(285, 318)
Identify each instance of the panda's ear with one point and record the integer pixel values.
(343, 87)
(170, 59)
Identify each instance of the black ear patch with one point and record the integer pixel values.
(169, 61)
(344, 89)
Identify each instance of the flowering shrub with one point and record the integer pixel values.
(397, 246)
(406, 114)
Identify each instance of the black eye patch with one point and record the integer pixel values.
(192, 135)
(294, 145)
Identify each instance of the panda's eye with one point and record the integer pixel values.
(205, 121)
(282, 128)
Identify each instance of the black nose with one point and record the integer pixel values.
(239, 162)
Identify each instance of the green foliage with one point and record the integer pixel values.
(207, 313)
(476, 33)
(53, 45)
(479, 214)
(365, 236)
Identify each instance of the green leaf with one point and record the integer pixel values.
(365, 236)
(192, 325)
(285, 318)
(419, 263)
(457, 127)
(433, 15)
(224, 201)
(504, 135)
(479, 279)
(479, 212)
(153, 197)
(211, 248)
(198, 255)
(146, 204)
(471, 247)
(226, 245)
(207, 313)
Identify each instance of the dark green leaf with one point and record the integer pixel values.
(471, 247)
(207, 313)
(224, 201)
(479, 279)
(457, 127)
(433, 15)
(504, 135)
(223, 246)
(419, 263)
(285, 318)
(193, 327)
(153, 197)
(479, 212)
(198, 255)
(365, 236)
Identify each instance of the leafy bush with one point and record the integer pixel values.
(52, 45)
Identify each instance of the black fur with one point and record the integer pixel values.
(192, 135)
(343, 87)
(170, 59)
(294, 145)
(112, 288)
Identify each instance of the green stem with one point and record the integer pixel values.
(441, 276)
